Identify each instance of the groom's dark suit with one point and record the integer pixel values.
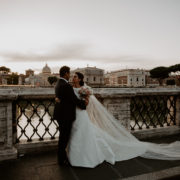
(65, 114)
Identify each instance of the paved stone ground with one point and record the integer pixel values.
(44, 167)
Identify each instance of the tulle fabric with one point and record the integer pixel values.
(96, 136)
(105, 121)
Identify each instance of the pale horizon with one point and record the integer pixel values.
(110, 35)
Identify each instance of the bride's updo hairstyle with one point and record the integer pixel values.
(81, 77)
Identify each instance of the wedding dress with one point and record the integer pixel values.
(96, 136)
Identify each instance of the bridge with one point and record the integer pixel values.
(28, 133)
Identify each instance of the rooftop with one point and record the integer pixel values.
(122, 70)
(89, 67)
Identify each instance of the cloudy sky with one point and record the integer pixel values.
(108, 34)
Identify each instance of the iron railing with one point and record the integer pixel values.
(152, 111)
(34, 117)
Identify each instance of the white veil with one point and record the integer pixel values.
(122, 142)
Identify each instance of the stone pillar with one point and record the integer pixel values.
(7, 149)
(120, 108)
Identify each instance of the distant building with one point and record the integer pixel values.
(3, 77)
(130, 78)
(34, 80)
(21, 79)
(46, 72)
(92, 76)
(29, 72)
(150, 82)
(127, 77)
(39, 79)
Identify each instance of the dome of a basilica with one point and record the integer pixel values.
(46, 69)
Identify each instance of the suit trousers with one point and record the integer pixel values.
(65, 131)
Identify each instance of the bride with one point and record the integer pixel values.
(96, 136)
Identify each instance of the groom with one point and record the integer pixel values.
(65, 111)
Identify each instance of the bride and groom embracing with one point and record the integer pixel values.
(90, 135)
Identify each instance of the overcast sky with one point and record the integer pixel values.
(108, 34)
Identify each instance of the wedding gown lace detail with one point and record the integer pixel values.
(97, 136)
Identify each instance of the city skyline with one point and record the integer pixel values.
(107, 34)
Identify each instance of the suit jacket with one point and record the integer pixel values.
(66, 109)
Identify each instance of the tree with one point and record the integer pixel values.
(174, 68)
(52, 79)
(160, 73)
(3, 68)
(13, 79)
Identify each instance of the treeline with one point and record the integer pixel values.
(161, 72)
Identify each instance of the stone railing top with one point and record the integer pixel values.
(11, 94)
(7, 94)
(115, 92)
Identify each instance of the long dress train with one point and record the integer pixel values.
(96, 136)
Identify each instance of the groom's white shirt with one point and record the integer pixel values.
(64, 79)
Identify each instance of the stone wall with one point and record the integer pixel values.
(120, 108)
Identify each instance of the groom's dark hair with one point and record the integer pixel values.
(63, 70)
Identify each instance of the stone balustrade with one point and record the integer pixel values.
(118, 101)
